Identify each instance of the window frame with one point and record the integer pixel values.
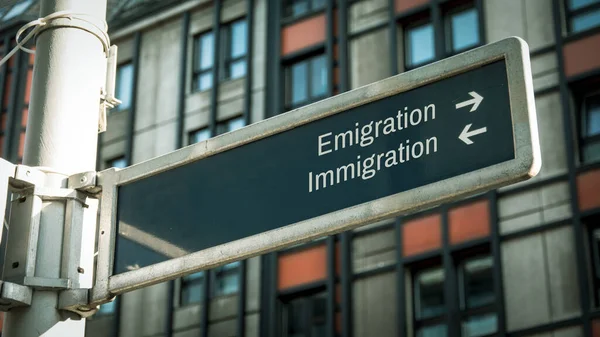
(571, 14)
(193, 282)
(287, 15)
(225, 124)
(580, 93)
(306, 298)
(224, 271)
(308, 59)
(195, 131)
(593, 226)
(196, 54)
(225, 58)
(447, 23)
(440, 319)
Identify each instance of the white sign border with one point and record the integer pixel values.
(526, 164)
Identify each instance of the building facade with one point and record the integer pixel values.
(519, 261)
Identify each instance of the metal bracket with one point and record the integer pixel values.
(14, 295)
(107, 95)
(80, 200)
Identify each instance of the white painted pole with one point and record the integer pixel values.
(61, 135)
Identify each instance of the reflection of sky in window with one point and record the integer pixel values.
(107, 308)
(481, 325)
(236, 123)
(238, 39)
(299, 88)
(465, 30)
(433, 331)
(124, 85)
(593, 116)
(318, 76)
(576, 4)
(585, 21)
(206, 51)
(420, 45)
(17, 9)
(118, 163)
(200, 135)
(299, 7)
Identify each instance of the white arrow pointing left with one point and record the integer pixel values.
(475, 101)
(467, 133)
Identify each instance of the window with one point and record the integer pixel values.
(235, 50)
(305, 316)
(475, 294)
(202, 76)
(462, 30)
(429, 302)
(306, 81)
(583, 14)
(230, 125)
(295, 8)
(18, 9)
(594, 249)
(124, 86)
(226, 279)
(477, 297)
(192, 288)
(420, 47)
(118, 162)
(590, 127)
(108, 308)
(199, 135)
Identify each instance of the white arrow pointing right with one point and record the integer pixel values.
(475, 101)
(466, 133)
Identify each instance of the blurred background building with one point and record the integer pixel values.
(520, 261)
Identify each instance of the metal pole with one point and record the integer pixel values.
(69, 71)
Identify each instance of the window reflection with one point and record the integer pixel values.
(420, 47)
(464, 30)
(124, 86)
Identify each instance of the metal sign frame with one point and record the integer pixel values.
(526, 164)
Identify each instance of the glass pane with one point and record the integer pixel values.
(419, 45)
(576, 4)
(203, 82)
(465, 29)
(234, 124)
(237, 69)
(298, 83)
(318, 4)
(194, 276)
(297, 7)
(592, 116)
(585, 21)
(318, 76)
(124, 85)
(433, 331)
(227, 282)
(206, 51)
(480, 325)
(295, 313)
(107, 308)
(238, 39)
(118, 163)
(191, 293)
(429, 293)
(200, 135)
(591, 152)
(478, 282)
(17, 9)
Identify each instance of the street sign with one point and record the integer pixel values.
(444, 131)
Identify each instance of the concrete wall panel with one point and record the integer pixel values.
(375, 320)
(223, 307)
(367, 13)
(187, 316)
(369, 58)
(526, 302)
